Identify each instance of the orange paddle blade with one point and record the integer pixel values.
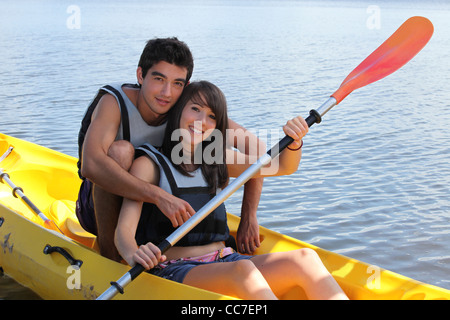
(395, 52)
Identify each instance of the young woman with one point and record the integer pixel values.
(197, 130)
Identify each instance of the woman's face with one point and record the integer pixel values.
(198, 121)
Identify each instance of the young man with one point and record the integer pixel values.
(124, 116)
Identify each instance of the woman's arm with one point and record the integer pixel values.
(130, 213)
(288, 160)
(244, 140)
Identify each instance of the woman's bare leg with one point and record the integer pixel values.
(240, 279)
(303, 267)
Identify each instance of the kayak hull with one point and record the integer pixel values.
(50, 181)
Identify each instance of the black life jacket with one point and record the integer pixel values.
(154, 226)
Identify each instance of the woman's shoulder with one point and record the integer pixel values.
(147, 149)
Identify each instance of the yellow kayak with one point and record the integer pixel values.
(63, 262)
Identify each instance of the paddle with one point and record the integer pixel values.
(18, 193)
(401, 47)
(390, 56)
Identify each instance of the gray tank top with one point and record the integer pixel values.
(139, 131)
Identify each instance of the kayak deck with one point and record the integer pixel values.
(51, 182)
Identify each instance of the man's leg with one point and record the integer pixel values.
(107, 206)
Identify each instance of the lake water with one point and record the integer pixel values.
(374, 180)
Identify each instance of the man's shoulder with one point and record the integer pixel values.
(107, 106)
(107, 99)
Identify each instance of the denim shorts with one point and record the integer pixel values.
(176, 270)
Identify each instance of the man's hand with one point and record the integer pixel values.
(175, 209)
(248, 234)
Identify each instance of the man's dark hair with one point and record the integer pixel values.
(170, 50)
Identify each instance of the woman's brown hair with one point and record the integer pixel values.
(202, 93)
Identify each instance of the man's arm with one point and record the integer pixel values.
(248, 231)
(104, 171)
(97, 165)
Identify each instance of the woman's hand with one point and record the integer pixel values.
(296, 128)
(148, 256)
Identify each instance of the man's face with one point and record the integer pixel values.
(160, 89)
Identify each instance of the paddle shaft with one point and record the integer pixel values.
(18, 193)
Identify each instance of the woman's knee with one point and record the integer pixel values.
(309, 262)
(122, 152)
(307, 253)
(242, 268)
